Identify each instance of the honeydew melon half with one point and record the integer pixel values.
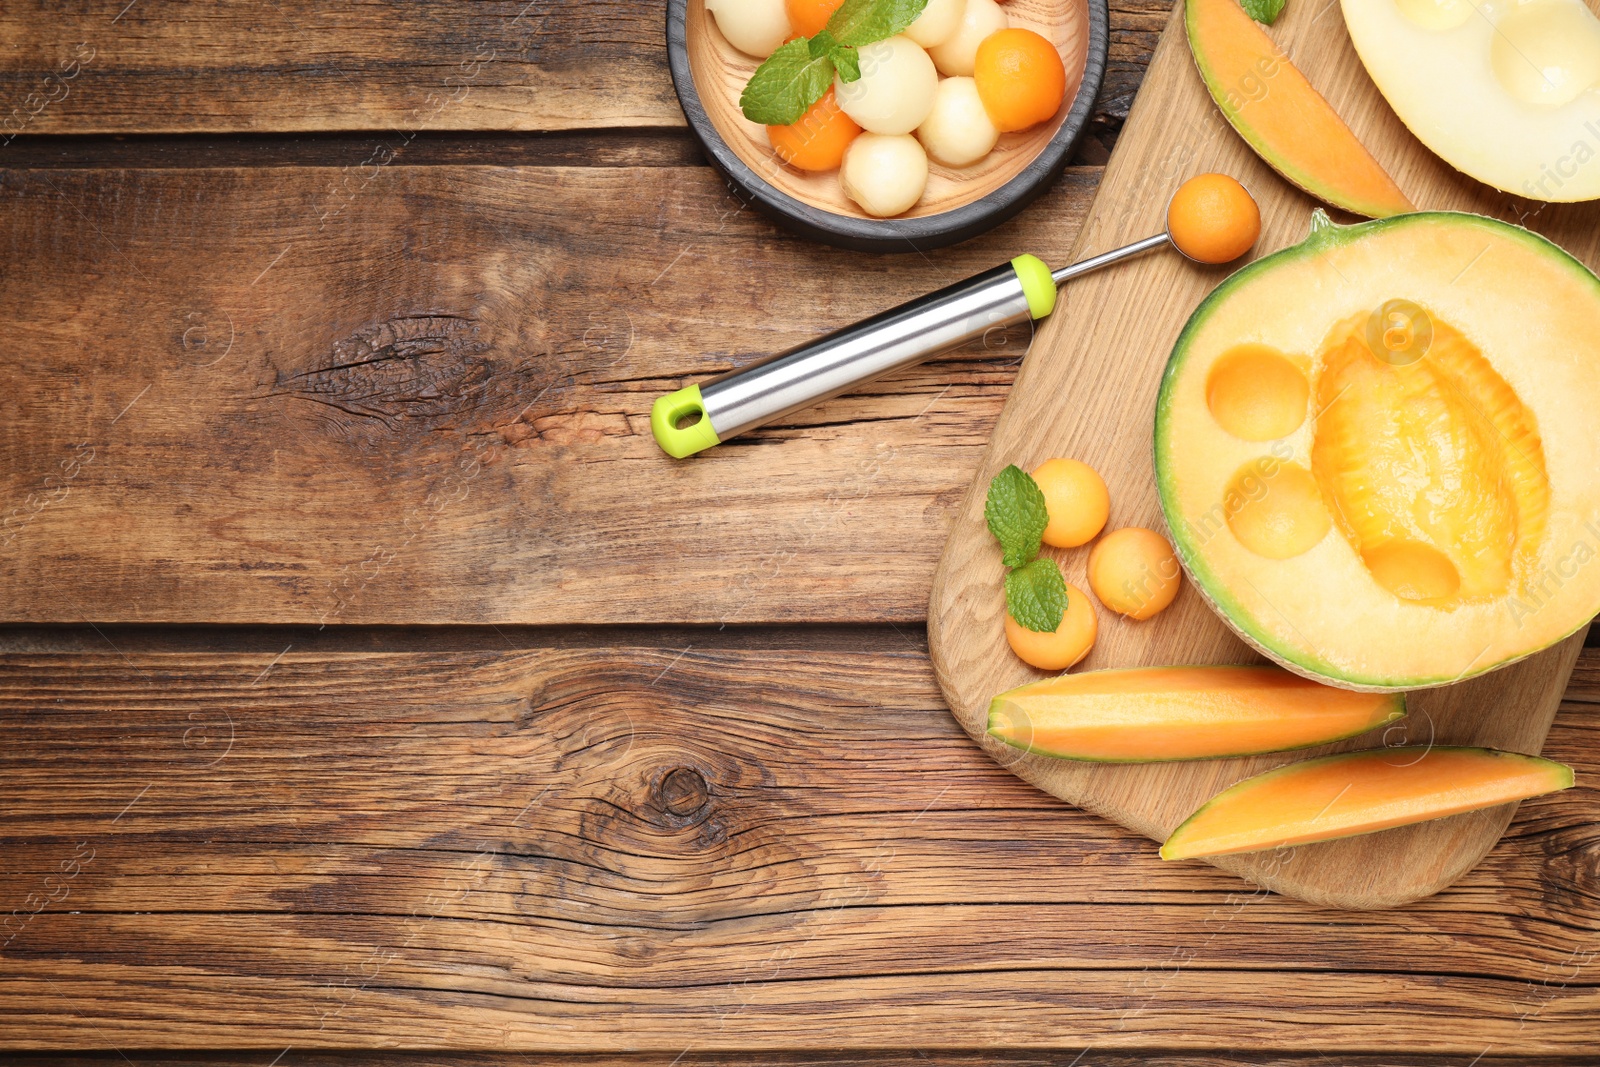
(1507, 92)
(1378, 450)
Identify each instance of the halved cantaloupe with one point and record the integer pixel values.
(1149, 714)
(1431, 507)
(1279, 114)
(1359, 793)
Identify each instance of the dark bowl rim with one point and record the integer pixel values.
(892, 235)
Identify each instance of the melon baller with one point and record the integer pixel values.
(696, 417)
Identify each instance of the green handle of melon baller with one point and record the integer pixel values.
(699, 416)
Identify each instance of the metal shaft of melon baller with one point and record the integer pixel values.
(698, 416)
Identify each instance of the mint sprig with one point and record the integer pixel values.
(1266, 11)
(859, 22)
(1036, 594)
(1016, 515)
(796, 76)
(789, 82)
(848, 62)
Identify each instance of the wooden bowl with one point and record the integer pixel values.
(960, 202)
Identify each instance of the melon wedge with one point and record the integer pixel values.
(1359, 793)
(1152, 714)
(1278, 113)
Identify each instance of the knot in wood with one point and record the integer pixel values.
(408, 367)
(683, 792)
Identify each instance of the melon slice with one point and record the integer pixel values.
(1508, 93)
(1431, 507)
(1359, 793)
(1279, 114)
(1149, 714)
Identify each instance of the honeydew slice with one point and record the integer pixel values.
(1508, 93)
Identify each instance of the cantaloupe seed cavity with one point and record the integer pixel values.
(1276, 510)
(1399, 332)
(1432, 465)
(1256, 393)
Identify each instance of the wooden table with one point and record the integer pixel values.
(370, 682)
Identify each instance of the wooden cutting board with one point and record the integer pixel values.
(1087, 389)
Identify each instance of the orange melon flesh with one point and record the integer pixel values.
(1276, 110)
(1359, 793)
(1433, 466)
(1151, 714)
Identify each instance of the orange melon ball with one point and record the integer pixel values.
(1068, 644)
(808, 17)
(1020, 77)
(1214, 219)
(818, 140)
(1134, 572)
(1075, 498)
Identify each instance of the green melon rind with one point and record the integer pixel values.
(1324, 234)
(1562, 778)
(1395, 705)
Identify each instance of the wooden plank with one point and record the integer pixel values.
(394, 394)
(854, 1058)
(707, 848)
(1105, 353)
(400, 66)
(405, 66)
(566, 148)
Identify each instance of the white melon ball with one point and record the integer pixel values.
(884, 173)
(937, 22)
(958, 53)
(958, 131)
(895, 91)
(755, 27)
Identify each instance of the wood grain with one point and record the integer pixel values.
(391, 394)
(1105, 352)
(707, 849)
(405, 66)
(857, 1058)
(322, 883)
(721, 71)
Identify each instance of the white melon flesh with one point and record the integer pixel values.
(1508, 93)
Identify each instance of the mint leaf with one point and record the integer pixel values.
(789, 82)
(859, 22)
(848, 62)
(1263, 10)
(1036, 596)
(1016, 515)
(800, 71)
